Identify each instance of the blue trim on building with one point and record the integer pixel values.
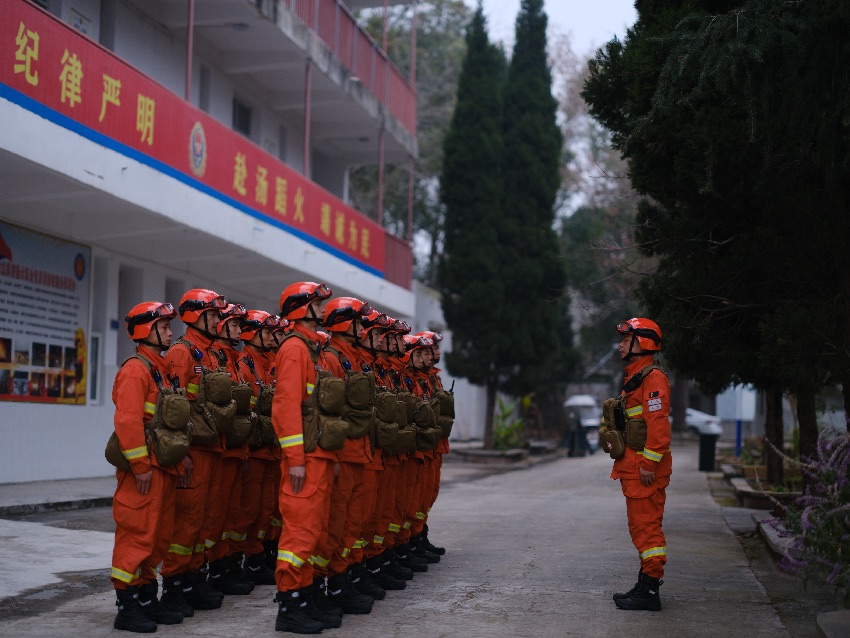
(26, 102)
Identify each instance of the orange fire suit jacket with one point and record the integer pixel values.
(135, 393)
(650, 401)
(295, 371)
(354, 450)
(261, 374)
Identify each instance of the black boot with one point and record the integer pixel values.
(198, 598)
(316, 609)
(270, 554)
(418, 550)
(375, 566)
(153, 609)
(319, 597)
(406, 558)
(426, 543)
(343, 594)
(172, 597)
(645, 596)
(257, 570)
(220, 579)
(359, 577)
(236, 570)
(394, 568)
(292, 613)
(130, 615)
(631, 591)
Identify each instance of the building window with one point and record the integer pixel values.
(241, 117)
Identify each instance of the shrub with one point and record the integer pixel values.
(508, 432)
(819, 522)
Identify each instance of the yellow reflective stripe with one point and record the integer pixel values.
(652, 456)
(394, 527)
(310, 388)
(360, 543)
(653, 551)
(209, 543)
(289, 441)
(200, 548)
(180, 550)
(194, 388)
(253, 400)
(345, 552)
(378, 540)
(261, 534)
(318, 560)
(150, 408)
(233, 536)
(125, 577)
(406, 525)
(135, 453)
(276, 522)
(289, 557)
(638, 409)
(420, 516)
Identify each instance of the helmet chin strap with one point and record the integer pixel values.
(631, 353)
(158, 345)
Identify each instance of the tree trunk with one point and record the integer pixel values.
(807, 418)
(774, 432)
(679, 403)
(492, 386)
(845, 390)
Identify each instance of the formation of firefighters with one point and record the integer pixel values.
(308, 457)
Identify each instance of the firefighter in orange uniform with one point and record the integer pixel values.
(353, 592)
(225, 566)
(307, 477)
(183, 586)
(431, 379)
(644, 473)
(143, 506)
(259, 484)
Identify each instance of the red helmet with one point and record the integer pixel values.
(142, 317)
(414, 342)
(375, 319)
(341, 311)
(397, 325)
(231, 312)
(324, 338)
(436, 337)
(296, 297)
(197, 301)
(646, 331)
(256, 319)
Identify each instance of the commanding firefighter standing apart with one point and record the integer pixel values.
(645, 463)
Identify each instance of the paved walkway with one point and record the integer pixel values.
(531, 553)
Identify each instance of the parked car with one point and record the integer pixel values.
(702, 423)
(586, 409)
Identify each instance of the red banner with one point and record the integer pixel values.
(72, 76)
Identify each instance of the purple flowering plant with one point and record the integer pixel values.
(819, 521)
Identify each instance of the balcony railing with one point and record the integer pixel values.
(359, 52)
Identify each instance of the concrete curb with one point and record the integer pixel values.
(37, 508)
(834, 624)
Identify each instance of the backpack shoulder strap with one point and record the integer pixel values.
(637, 380)
(311, 348)
(155, 375)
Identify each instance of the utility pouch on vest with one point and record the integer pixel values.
(423, 415)
(331, 395)
(202, 425)
(401, 413)
(359, 422)
(410, 402)
(238, 435)
(406, 440)
(427, 439)
(217, 387)
(172, 411)
(241, 393)
(385, 407)
(360, 389)
(608, 418)
(264, 401)
(636, 434)
(262, 433)
(386, 436)
(222, 415)
(446, 418)
(113, 453)
(310, 425)
(169, 446)
(611, 440)
(332, 432)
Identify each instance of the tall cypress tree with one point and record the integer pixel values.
(470, 190)
(533, 273)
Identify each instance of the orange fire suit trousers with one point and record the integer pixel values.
(143, 527)
(380, 534)
(368, 499)
(645, 511)
(259, 492)
(305, 523)
(229, 505)
(345, 521)
(186, 551)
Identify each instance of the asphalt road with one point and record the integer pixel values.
(530, 553)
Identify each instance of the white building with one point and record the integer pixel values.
(152, 146)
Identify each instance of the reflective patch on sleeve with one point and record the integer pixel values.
(289, 441)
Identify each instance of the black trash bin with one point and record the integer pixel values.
(707, 451)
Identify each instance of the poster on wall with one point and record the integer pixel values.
(44, 317)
